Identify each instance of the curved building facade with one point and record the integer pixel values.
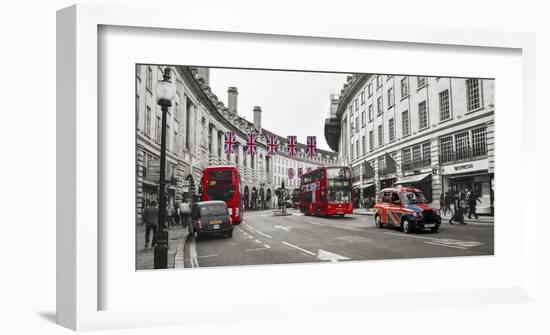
(434, 133)
(196, 124)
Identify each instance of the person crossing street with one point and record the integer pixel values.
(184, 211)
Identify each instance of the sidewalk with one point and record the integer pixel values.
(481, 220)
(145, 256)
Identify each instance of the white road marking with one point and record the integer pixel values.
(315, 223)
(257, 241)
(298, 248)
(267, 246)
(446, 245)
(249, 227)
(413, 236)
(193, 253)
(330, 256)
(214, 255)
(283, 228)
(256, 249)
(264, 235)
(249, 236)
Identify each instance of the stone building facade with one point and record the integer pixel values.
(434, 133)
(196, 123)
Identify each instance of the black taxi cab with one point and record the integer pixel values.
(406, 208)
(210, 217)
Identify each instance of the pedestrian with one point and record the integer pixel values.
(184, 211)
(448, 200)
(442, 203)
(150, 216)
(458, 214)
(175, 215)
(169, 211)
(473, 199)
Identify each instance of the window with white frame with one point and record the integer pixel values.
(378, 81)
(391, 129)
(362, 97)
(404, 87)
(391, 100)
(371, 140)
(479, 142)
(420, 81)
(405, 124)
(380, 135)
(356, 123)
(416, 156)
(363, 121)
(364, 144)
(371, 112)
(379, 105)
(422, 115)
(157, 130)
(369, 89)
(148, 121)
(473, 94)
(149, 79)
(444, 106)
(464, 145)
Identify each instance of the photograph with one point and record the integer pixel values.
(238, 166)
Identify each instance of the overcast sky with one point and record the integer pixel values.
(293, 103)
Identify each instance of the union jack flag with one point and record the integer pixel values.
(291, 145)
(290, 173)
(251, 144)
(311, 145)
(272, 144)
(300, 172)
(230, 140)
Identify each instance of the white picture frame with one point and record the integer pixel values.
(78, 250)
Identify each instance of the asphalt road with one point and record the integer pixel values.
(264, 238)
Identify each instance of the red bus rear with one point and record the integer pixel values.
(224, 183)
(326, 191)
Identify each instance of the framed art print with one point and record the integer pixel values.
(283, 171)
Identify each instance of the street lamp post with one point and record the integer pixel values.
(165, 93)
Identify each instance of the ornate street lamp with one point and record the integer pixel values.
(165, 92)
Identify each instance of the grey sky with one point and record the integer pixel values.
(293, 103)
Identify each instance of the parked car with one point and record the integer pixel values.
(406, 208)
(210, 217)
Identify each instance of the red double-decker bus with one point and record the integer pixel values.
(224, 183)
(326, 191)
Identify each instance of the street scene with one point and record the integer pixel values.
(302, 167)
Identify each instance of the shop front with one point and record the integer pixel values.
(368, 192)
(421, 181)
(458, 178)
(386, 183)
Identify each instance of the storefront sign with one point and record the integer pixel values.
(465, 167)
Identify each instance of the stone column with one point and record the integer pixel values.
(214, 137)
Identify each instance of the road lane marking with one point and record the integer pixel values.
(413, 236)
(315, 223)
(267, 246)
(249, 227)
(298, 248)
(257, 241)
(330, 256)
(193, 253)
(446, 245)
(264, 235)
(214, 255)
(283, 228)
(256, 249)
(250, 236)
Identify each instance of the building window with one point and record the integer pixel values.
(371, 140)
(149, 80)
(357, 148)
(379, 105)
(371, 112)
(405, 123)
(148, 121)
(380, 135)
(137, 110)
(355, 104)
(416, 157)
(176, 111)
(444, 107)
(157, 130)
(352, 152)
(391, 100)
(464, 145)
(364, 144)
(378, 81)
(420, 82)
(138, 72)
(473, 94)
(404, 88)
(363, 122)
(369, 89)
(479, 142)
(391, 129)
(388, 76)
(422, 115)
(356, 123)
(362, 97)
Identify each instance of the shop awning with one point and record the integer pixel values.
(412, 179)
(367, 185)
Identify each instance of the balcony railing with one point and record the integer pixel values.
(248, 174)
(462, 155)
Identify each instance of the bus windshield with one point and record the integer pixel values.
(338, 173)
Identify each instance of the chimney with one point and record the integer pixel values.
(204, 73)
(258, 117)
(232, 94)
